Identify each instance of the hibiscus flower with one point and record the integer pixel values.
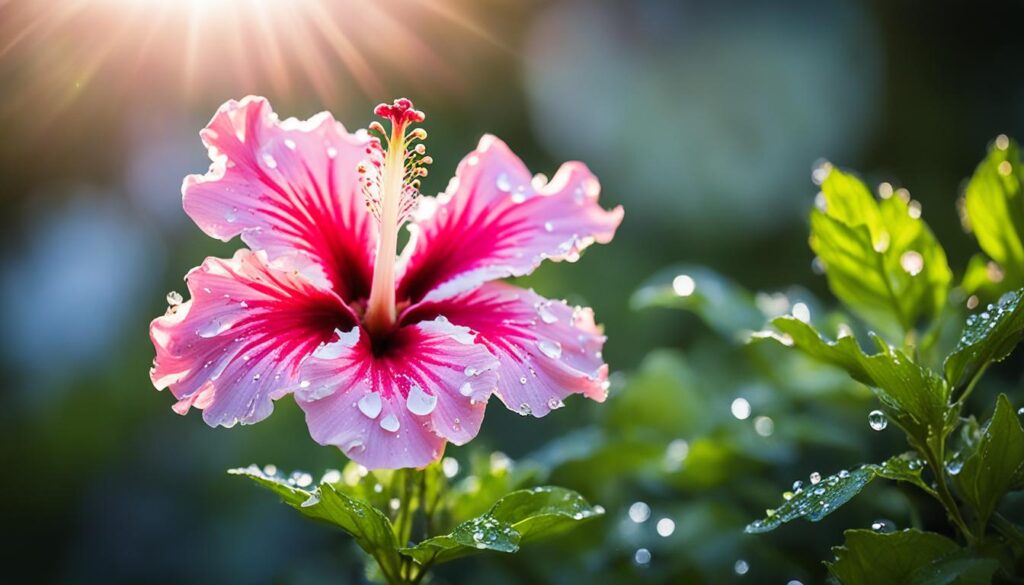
(390, 357)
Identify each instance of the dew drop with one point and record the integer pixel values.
(877, 420)
(815, 478)
(419, 402)
(884, 526)
(269, 160)
(466, 389)
(370, 405)
(390, 423)
(213, 327)
(174, 298)
(503, 183)
(545, 314)
(524, 409)
(552, 349)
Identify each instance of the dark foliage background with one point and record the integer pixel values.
(702, 118)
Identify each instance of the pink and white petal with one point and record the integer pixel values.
(495, 221)
(397, 405)
(236, 345)
(290, 189)
(547, 349)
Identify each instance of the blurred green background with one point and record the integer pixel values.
(703, 119)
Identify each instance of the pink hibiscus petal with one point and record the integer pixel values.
(236, 345)
(547, 349)
(290, 189)
(397, 405)
(494, 221)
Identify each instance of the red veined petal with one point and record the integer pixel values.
(396, 406)
(547, 349)
(494, 221)
(236, 345)
(290, 189)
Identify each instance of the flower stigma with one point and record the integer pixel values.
(390, 181)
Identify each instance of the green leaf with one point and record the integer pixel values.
(916, 397)
(873, 558)
(370, 528)
(983, 278)
(906, 467)
(725, 307)
(995, 209)
(815, 501)
(997, 465)
(520, 517)
(880, 258)
(987, 337)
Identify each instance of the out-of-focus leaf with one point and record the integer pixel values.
(984, 278)
(724, 306)
(962, 567)
(995, 209)
(880, 258)
(916, 397)
(987, 337)
(997, 465)
(520, 517)
(662, 396)
(370, 528)
(816, 500)
(874, 558)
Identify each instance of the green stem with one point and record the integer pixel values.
(970, 386)
(935, 458)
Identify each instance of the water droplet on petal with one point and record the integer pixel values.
(545, 314)
(552, 349)
(503, 183)
(419, 402)
(370, 405)
(390, 423)
(466, 389)
(174, 298)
